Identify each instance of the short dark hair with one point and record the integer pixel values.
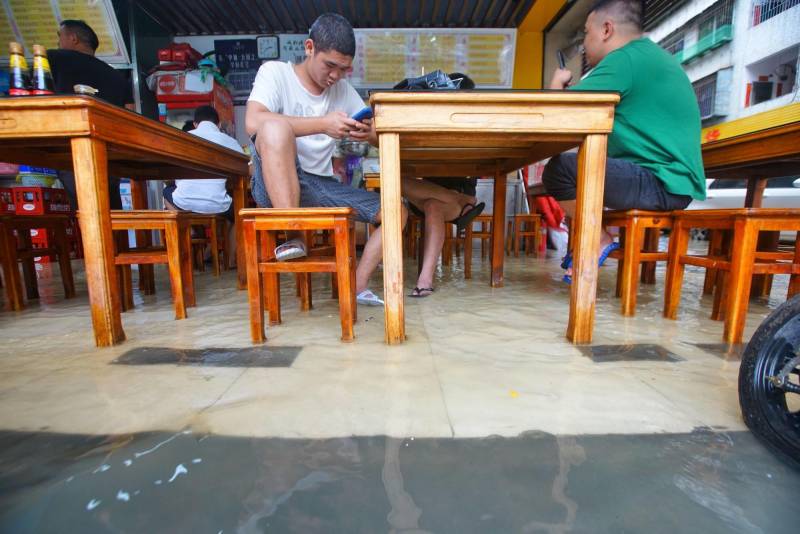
(82, 31)
(206, 113)
(188, 126)
(629, 11)
(332, 31)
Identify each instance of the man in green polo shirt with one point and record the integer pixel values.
(654, 160)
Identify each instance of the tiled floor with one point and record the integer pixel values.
(485, 420)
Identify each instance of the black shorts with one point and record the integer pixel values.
(628, 186)
(168, 196)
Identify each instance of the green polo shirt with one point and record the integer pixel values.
(657, 122)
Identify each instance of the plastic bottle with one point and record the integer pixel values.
(19, 81)
(42, 78)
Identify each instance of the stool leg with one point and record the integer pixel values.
(794, 280)
(720, 296)
(517, 236)
(344, 269)
(468, 252)
(420, 245)
(272, 285)
(304, 283)
(125, 276)
(255, 288)
(650, 245)
(623, 242)
(354, 263)
(678, 245)
(28, 266)
(634, 236)
(185, 234)
(63, 262)
(715, 248)
(214, 240)
(173, 241)
(8, 260)
(739, 279)
(334, 286)
(483, 240)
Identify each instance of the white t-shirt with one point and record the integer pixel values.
(278, 88)
(206, 196)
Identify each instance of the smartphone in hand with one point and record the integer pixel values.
(363, 113)
(562, 62)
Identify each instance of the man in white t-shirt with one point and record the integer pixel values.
(294, 115)
(206, 196)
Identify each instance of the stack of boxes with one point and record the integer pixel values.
(37, 200)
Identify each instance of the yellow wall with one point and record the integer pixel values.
(530, 43)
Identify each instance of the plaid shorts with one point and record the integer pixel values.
(320, 192)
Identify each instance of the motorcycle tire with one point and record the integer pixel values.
(770, 412)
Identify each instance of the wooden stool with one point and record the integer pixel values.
(14, 249)
(453, 242)
(217, 226)
(412, 235)
(636, 248)
(529, 227)
(732, 296)
(176, 254)
(260, 228)
(484, 234)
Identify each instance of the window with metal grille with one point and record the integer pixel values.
(673, 43)
(706, 91)
(766, 9)
(719, 15)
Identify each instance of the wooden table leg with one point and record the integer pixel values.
(392, 228)
(238, 194)
(91, 182)
(586, 229)
(754, 198)
(498, 229)
(755, 192)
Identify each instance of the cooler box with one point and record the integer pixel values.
(7, 201)
(40, 201)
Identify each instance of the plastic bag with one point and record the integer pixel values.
(433, 80)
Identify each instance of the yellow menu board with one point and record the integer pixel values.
(32, 22)
(384, 57)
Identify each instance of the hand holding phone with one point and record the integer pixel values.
(363, 113)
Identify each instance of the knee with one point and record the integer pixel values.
(433, 209)
(274, 134)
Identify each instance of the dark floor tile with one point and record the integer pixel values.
(703, 481)
(629, 353)
(212, 357)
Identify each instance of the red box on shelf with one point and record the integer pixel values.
(39, 238)
(7, 201)
(40, 201)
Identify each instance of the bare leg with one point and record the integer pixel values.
(434, 239)
(371, 256)
(418, 191)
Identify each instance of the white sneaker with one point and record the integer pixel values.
(368, 298)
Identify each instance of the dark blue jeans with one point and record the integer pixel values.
(628, 186)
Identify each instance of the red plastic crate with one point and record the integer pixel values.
(6, 201)
(40, 201)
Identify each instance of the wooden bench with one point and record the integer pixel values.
(484, 234)
(14, 249)
(176, 253)
(261, 226)
(731, 297)
(639, 232)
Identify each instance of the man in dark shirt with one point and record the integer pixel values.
(74, 63)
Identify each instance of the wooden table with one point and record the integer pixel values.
(755, 156)
(94, 138)
(478, 133)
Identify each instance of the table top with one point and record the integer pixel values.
(37, 131)
(764, 153)
(462, 133)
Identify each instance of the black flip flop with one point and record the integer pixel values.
(466, 217)
(417, 292)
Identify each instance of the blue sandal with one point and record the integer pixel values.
(566, 263)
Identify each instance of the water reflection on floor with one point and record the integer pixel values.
(485, 420)
(703, 481)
